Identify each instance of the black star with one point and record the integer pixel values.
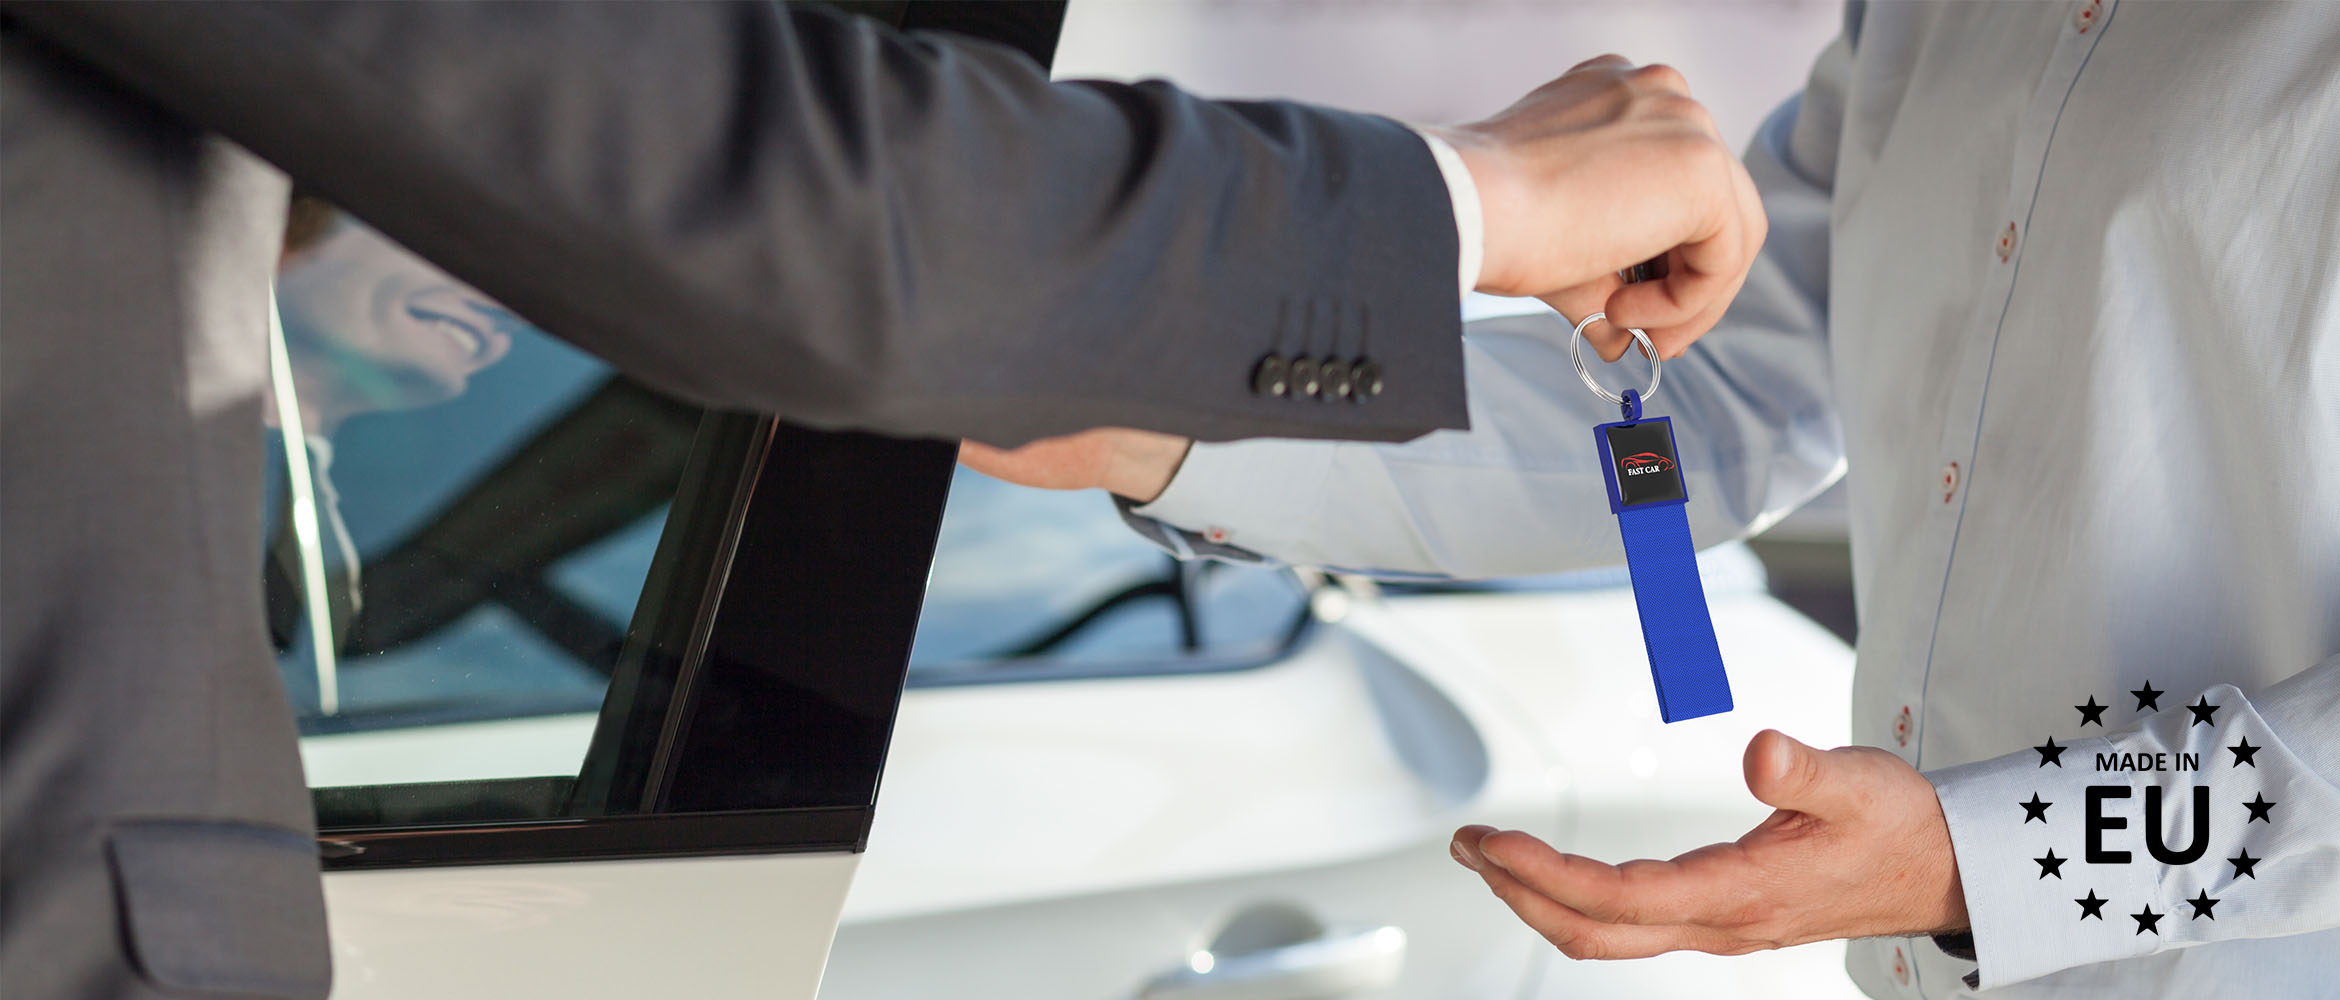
(2203, 712)
(2243, 752)
(2147, 697)
(2148, 921)
(2245, 864)
(2092, 906)
(2035, 809)
(2202, 904)
(2051, 753)
(2051, 865)
(2260, 809)
(2092, 712)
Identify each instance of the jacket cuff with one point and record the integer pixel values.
(2021, 929)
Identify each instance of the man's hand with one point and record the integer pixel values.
(1134, 464)
(1608, 166)
(1858, 848)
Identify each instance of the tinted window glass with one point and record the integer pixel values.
(468, 516)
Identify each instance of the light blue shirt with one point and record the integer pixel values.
(2059, 285)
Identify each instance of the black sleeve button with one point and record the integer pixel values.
(1271, 376)
(1365, 380)
(1337, 379)
(1305, 378)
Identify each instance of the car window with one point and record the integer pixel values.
(464, 507)
(528, 610)
(1032, 584)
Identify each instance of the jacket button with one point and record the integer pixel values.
(1305, 378)
(1337, 379)
(1364, 379)
(1270, 376)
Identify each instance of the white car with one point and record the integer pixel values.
(1263, 820)
(612, 683)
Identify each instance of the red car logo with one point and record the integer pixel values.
(1645, 463)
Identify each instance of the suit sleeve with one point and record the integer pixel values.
(1522, 490)
(805, 213)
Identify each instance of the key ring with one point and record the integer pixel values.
(1576, 357)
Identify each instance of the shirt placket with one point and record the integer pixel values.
(1930, 972)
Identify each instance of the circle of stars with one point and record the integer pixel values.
(2259, 809)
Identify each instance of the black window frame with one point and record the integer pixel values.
(793, 562)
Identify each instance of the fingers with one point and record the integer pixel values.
(1606, 338)
(975, 454)
(1132, 463)
(1605, 59)
(1659, 76)
(1636, 892)
(1584, 938)
(1786, 774)
(1601, 169)
(1576, 933)
(1704, 275)
(1072, 462)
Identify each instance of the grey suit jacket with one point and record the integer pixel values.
(805, 214)
(760, 208)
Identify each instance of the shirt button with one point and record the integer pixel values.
(1901, 727)
(1900, 966)
(2087, 16)
(1949, 481)
(2007, 243)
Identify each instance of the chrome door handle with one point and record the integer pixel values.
(1338, 963)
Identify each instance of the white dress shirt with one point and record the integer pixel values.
(2059, 285)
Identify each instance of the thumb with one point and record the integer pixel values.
(1786, 774)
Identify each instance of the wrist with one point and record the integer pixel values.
(1487, 167)
(1143, 464)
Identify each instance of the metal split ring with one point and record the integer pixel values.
(1576, 357)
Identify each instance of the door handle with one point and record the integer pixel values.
(1336, 963)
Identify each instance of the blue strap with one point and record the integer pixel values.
(1676, 628)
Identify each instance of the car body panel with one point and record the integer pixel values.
(695, 927)
(1081, 838)
(1636, 787)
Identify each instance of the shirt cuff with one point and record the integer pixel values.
(1240, 493)
(2003, 853)
(1470, 222)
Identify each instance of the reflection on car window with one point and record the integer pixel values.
(1055, 583)
(482, 503)
(460, 529)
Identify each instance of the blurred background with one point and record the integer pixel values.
(1434, 61)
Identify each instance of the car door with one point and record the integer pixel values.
(1121, 775)
(608, 680)
(594, 686)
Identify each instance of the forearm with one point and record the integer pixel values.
(2279, 745)
(793, 211)
(1521, 491)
